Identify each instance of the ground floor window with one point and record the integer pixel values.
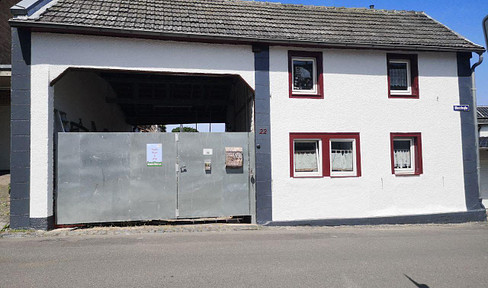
(324, 154)
(307, 157)
(406, 153)
(343, 157)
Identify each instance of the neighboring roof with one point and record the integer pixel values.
(482, 114)
(254, 21)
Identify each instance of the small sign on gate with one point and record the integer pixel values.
(154, 155)
(233, 157)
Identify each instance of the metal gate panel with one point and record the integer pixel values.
(220, 192)
(103, 177)
(153, 189)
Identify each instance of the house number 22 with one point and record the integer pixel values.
(263, 131)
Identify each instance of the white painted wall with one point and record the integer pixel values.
(5, 137)
(41, 181)
(54, 53)
(356, 100)
(81, 95)
(61, 51)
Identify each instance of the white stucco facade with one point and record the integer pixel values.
(52, 54)
(356, 100)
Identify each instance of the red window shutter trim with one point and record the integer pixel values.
(418, 151)
(414, 74)
(325, 157)
(319, 62)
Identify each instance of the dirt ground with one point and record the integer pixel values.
(4, 200)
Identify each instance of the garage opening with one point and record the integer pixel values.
(107, 171)
(120, 101)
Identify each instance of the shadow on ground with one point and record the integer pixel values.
(416, 284)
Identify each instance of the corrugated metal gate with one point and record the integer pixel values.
(111, 177)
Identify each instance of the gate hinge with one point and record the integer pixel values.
(177, 167)
(177, 212)
(176, 137)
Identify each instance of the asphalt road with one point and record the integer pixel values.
(430, 255)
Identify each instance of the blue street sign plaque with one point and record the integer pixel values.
(464, 108)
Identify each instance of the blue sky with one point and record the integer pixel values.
(464, 17)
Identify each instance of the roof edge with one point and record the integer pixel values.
(454, 32)
(27, 7)
(121, 32)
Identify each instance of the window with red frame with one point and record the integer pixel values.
(402, 76)
(305, 74)
(324, 155)
(406, 153)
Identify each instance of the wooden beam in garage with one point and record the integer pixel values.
(174, 102)
(171, 119)
(162, 81)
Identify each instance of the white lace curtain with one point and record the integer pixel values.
(402, 158)
(306, 162)
(398, 76)
(342, 160)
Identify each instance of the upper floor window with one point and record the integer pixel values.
(305, 74)
(402, 76)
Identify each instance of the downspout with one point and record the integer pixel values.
(475, 111)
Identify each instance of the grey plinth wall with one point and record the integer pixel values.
(263, 131)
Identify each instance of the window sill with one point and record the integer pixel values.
(307, 96)
(299, 177)
(407, 174)
(403, 96)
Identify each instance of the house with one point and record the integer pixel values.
(483, 145)
(5, 74)
(328, 114)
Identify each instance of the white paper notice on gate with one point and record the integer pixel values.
(154, 155)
